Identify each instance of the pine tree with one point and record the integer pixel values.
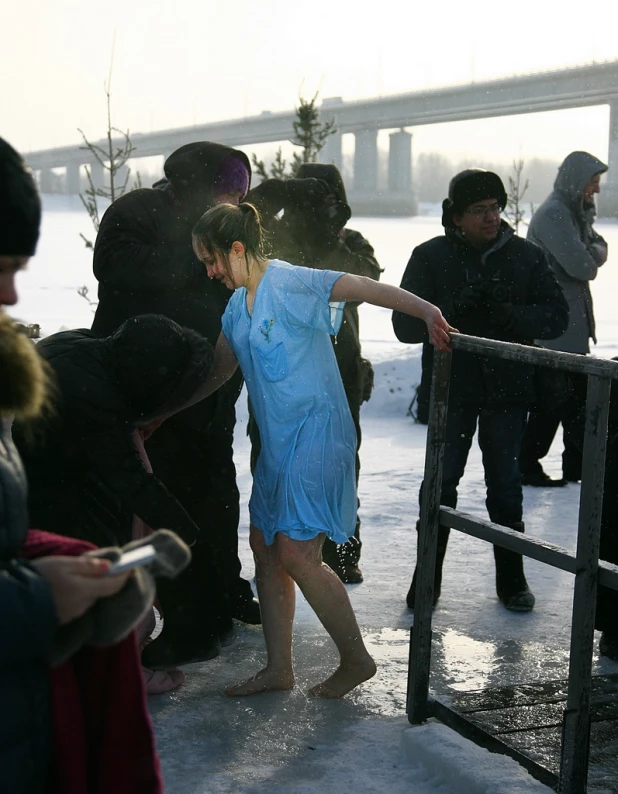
(514, 211)
(310, 135)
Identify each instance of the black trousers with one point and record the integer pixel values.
(543, 422)
(198, 468)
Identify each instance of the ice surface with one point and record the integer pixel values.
(286, 742)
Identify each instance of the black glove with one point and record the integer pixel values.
(306, 193)
(469, 298)
(269, 196)
(500, 315)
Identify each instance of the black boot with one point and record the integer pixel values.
(511, 585)
(343, 558)
(534, 475)
(608, 645)
(443, 533)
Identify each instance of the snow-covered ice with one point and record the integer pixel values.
(287, 742)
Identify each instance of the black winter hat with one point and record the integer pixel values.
(193, 169)
(20, 205)
(469, 186)
(159, 363)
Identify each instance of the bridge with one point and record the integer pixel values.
(560, 89)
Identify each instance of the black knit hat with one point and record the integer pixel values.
(468, 187)
(20, 206)
(158, 363)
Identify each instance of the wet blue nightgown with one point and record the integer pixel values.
(305, 478)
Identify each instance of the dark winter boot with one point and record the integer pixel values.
(511, 585)
(608, 645)
(443, 533)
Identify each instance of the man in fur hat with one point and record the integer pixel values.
(491, 283)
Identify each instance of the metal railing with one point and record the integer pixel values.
(584, 564)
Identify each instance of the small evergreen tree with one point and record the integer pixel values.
(514, 211)
(310, 135)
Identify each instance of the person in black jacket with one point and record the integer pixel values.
(144, 263)
(86, 477)
(312, 232)
(490, 283)
(36, 597)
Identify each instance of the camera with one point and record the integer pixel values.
(498, 292)
(334, 213)
(491, 289)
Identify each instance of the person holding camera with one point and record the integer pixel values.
(490, 283)
(312, 232)
(562, 227)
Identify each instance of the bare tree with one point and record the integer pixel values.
(112, 157)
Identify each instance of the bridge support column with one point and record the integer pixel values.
(72, 184)
(608, 199)
(366, 161)
(400, 161)
(331, 153)
(46, 182)
(97, 174)
(119, 179)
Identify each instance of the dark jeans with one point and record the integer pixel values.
(541, 428)
(500, 434)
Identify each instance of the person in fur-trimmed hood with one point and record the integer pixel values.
(39, 596)
(562, 227)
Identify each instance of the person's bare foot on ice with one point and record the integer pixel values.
(267, 680)
(344, 679)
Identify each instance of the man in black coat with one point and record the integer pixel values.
(86, 478)
(144, 262)
(490, 283)
(312, 232)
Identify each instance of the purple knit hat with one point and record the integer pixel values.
(232, 176)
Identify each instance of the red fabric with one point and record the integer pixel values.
(103, 737)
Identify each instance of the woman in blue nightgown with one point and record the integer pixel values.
(277, 327)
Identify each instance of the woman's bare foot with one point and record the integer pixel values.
(344, 679)
(267, 680)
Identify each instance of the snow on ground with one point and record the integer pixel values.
(211, 744)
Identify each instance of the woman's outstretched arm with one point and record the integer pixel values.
(360, 288)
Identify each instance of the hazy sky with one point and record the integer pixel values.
(185, 62)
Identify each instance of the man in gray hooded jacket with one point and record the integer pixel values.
(562, 227)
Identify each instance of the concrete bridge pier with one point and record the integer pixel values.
(71, 183)
(332, 151)
(401, 197)
(46, 180)
(400, 161)
(608, 199)
(97, 174)
(366, 161)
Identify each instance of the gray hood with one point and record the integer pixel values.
(573, 176)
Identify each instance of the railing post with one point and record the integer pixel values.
(420, 645)
(576, 720)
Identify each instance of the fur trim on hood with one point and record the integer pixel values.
(25, 379)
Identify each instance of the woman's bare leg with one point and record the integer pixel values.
(329, 599)
(277, 602)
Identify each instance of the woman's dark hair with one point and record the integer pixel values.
(226, 224)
